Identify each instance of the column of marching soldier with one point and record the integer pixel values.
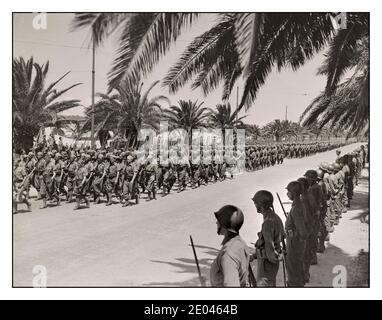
(79, 173)
(319, 199)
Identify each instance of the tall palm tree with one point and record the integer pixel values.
(126, 111)
(344, 105)
(143, 38)
(224, 118)
(34, 104)
(278, 129)
(187, 115)
(240, 44)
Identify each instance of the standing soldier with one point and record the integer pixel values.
(308, 205)
(296, 236)
(268, 246)
(324, 221)
(231, 266)
(318, 206)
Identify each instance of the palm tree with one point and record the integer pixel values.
(278, 129)
(125, 112)
(344, 105)
(143, 38)
(224, 118)
(187, 115)
(240, 44)
(34, 104)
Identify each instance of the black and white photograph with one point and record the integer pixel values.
(190, 149)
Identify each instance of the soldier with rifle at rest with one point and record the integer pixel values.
(269, 244)
(296, 237)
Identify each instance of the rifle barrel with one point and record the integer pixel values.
(196, 261)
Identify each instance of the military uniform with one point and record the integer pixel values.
(230, 268)
(296, 236)
(268, 249)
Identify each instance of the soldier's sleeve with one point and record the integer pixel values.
(299, 222)
(230, 271)
(268, 230)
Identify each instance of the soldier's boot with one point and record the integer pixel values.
(87, 202)
(314, 261)
(149, 195)
(154, 194)
(98, 200)
(58, 201)
(70, 196)
(44, 205)
(77, 203)
(108, 196)
(321, 245)
(126, 203)
(29, 206)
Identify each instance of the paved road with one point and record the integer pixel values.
(144, 245)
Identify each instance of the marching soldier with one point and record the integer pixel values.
(268, 245)
(71, 174)
(231, 266)
(81, 182)
(99, 175)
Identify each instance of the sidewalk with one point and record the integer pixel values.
(349, 244)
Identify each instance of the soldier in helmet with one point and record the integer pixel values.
(324, 221)
(297, 233)
(38, 176)
(81, 182)
(99, 175)
(231, 266)
(71, 169)
(268, 246)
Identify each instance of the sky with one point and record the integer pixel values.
(69, 50)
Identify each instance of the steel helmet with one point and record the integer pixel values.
(324, 166)
(304, 183)
(331, 168)
(337, 167)
(294, 187)
(230, 217)
(320, 174)
(264, 198)
(311, 175)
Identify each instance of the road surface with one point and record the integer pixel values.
(147, 244)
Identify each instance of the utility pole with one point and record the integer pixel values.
(93, 93)
(286, 113)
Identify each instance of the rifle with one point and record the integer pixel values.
(201, 279)
(286, 215)
(85, 181)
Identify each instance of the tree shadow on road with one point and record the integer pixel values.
(323, 274)
(187, 265)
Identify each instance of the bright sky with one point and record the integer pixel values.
(68, 51)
